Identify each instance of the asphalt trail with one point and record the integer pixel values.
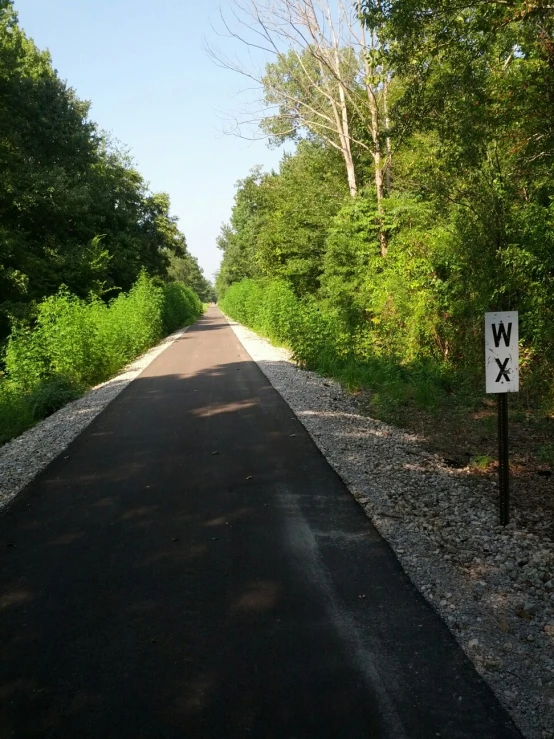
(192, 567)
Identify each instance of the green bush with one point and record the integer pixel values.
(16, 413)
(270, 308)
(322, 339)
(51, 395)
(128, 326)
(180, 306)
(75, 344)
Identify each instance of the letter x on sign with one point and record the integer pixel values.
(503, 371)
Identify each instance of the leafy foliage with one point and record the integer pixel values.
(181, 305)
(322, 341)
(185, 269)
(467, 218)
(279, 221)
(77, 343)
(74, 210)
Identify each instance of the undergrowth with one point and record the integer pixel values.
(322, 341)
(394, 386)
(75, 344)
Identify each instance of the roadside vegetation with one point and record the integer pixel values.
(93, 267)
(75, 344)
(419, 196)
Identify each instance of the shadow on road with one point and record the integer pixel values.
(191, 566)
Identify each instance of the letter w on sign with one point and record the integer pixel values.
(502, 352)
(499, 332)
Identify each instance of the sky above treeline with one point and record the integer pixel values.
(152, 85)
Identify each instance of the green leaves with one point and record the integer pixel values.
(468, 216)
(279, 222)
(181, 306)
(77, 343)
(85, 341)
(73, 208)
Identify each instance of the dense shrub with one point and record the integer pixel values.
(270, 308)
(16, 413)
(76, 343)
(52, 394)
(322, 339)
(180, 306)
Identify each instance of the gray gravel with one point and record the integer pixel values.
(493, 586)
(23, 458)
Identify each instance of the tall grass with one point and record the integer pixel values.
(75, 344)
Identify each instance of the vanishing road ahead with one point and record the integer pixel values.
(192, 567)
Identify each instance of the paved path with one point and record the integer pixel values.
(192, 567)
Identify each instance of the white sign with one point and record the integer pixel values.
(501, 352)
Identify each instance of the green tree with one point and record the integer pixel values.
(185, 269)
(302, 200)
(279, 221)
(73, 208)
(238, 239)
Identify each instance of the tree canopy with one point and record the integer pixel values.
(73, 208)
(464, 96)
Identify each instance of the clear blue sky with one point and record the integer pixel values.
(143, 66)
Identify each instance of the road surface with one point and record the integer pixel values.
(192, 567)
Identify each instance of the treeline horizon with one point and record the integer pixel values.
(74, 210)
(420, 192)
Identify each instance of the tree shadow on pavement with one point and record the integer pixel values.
(191, 566)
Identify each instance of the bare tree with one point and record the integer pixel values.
(322, 77)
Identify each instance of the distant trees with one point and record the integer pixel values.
(279, 222)
(73, 209)
(184, 268)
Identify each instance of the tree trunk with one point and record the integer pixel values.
(388, 165)
(348, 159)
(375, 131)
(351, 174)
(379, 189)
(340, 114)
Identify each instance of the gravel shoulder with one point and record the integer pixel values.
(493, 586)
(23, 458)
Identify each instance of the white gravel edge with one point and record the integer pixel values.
(24, 457)
(392, 477)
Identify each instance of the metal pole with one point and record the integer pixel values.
(503, 460)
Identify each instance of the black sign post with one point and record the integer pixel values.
(502, 371)
(503, 459)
